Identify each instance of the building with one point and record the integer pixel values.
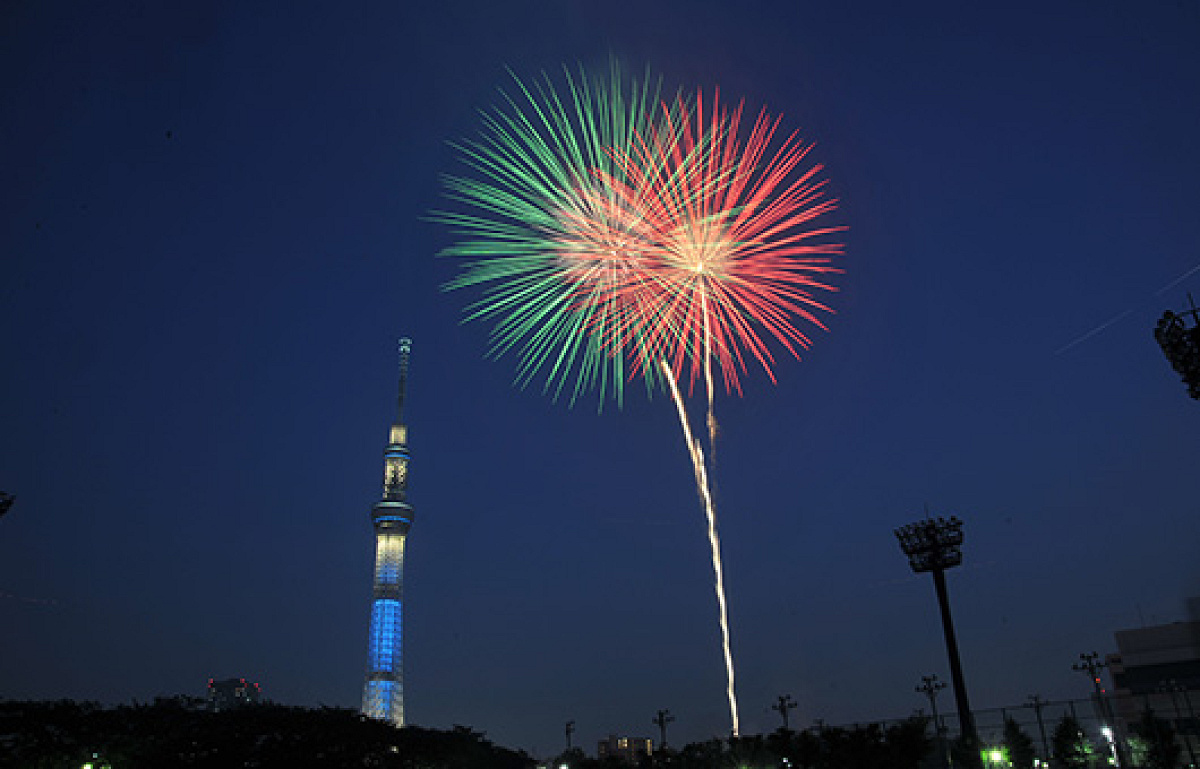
(232, 693)
(383, 692)
(628, 749)
(1158, 667)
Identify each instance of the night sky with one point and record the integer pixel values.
(215, 225)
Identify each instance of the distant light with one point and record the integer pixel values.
(996, 756)
(1107, 732)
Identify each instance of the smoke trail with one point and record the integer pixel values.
(697, 454)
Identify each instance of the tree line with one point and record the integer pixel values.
(182, 732)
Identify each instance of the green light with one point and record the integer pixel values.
(537, 190)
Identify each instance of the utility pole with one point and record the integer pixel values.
(661, 720)
(931, 687)
(782, 707)
(1036, 703)
(934, 545)
(1187, 700)
(1091, 665)
(570, 730)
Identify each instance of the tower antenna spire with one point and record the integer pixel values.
(405, 347)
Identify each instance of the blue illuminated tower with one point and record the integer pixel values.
(383, 693)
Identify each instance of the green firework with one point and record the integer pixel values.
(549, 242)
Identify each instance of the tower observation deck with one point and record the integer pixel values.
(383, 693)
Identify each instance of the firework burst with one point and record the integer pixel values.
(550, 241)
(617, 235)
(738, 257)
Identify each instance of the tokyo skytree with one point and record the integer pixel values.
(383, 693)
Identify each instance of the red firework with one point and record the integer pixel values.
(729, 255)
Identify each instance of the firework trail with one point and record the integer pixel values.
(624, 236)
(714, 542)
(736, 247)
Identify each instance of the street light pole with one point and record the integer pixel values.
(1181, 345)
(934, 545)
(570, 730)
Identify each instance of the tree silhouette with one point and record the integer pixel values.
(1162, 751)
(1020, 747)
(907, 744)
(1071, 748)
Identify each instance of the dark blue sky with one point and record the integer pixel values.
(212, 234)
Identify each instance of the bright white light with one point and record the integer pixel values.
(1107, 732)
